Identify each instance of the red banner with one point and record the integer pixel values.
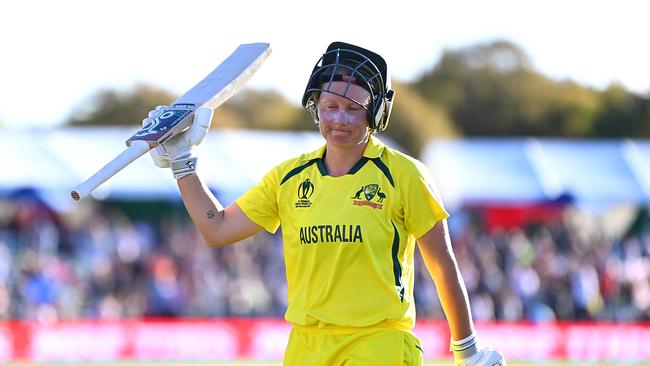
(265, 339)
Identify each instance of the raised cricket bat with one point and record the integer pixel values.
(221, 84)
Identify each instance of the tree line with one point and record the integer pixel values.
(483, 90)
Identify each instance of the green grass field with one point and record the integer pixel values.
(249, 363)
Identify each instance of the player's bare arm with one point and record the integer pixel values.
(218, 226)
(439, 258)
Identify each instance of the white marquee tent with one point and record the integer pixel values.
(593, 173)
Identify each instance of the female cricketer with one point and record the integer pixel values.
(351, 214)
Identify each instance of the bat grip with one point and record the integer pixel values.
(126, 157)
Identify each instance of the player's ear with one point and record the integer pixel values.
(311, 106)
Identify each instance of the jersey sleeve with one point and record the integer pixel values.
(260, 203)
(423, 206)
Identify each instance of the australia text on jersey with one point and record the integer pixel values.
(331, 234)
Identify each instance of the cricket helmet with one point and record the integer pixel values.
(355, 65)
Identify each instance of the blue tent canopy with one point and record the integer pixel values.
(591, 172)
(481, 170)
(637, 154)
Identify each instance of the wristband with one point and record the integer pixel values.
(464, 348)
(184, 166)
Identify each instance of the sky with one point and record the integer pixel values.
(56, 54)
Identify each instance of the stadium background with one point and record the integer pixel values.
(548, 186)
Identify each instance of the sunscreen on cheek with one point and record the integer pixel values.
(339, 116)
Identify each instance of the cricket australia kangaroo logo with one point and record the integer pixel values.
(372, 194)
(305, 190)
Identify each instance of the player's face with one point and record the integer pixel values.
(342, 122)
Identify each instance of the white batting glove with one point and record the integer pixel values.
(484, 357)
(468, 353)
(177, 151)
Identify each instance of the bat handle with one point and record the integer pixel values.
(130, 154)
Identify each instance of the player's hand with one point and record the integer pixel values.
(177, 151)
(484, 357)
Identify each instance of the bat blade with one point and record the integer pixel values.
(222, 83)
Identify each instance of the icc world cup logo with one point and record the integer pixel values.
(305, 189)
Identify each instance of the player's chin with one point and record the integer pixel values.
(338, 138)
(338, 133)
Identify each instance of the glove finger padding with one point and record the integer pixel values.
(156, 111)
(176, 146)
(176, 152)
(158, 155)
(181, 144)
(200, 125)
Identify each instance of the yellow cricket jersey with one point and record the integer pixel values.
(348, 240)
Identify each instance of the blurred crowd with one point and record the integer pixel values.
(103, 263)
